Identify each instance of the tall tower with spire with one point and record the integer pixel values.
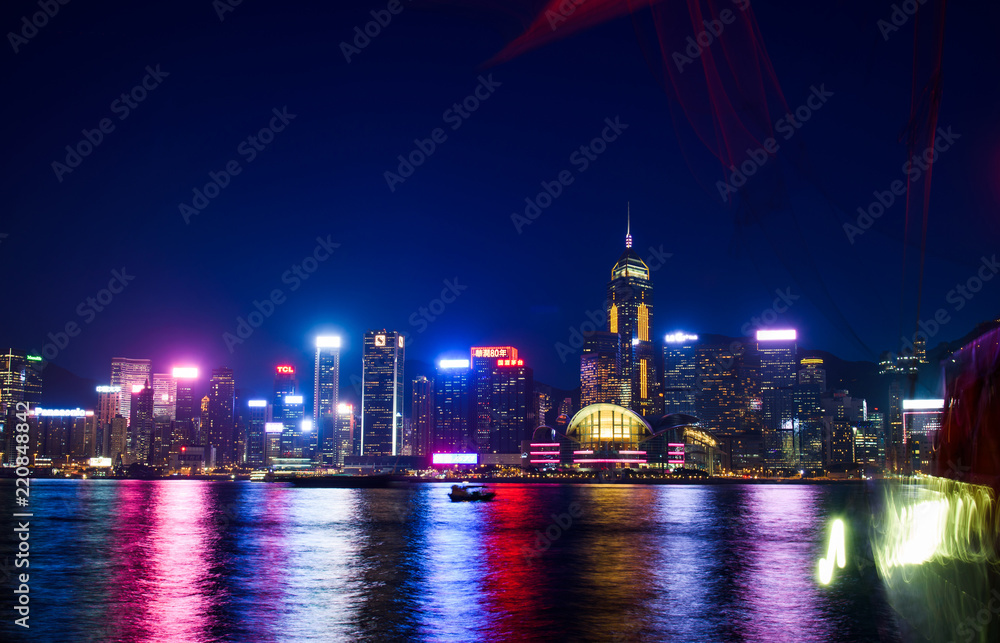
(630, 317)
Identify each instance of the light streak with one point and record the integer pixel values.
(836, 549)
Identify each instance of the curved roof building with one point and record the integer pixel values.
(608, 434)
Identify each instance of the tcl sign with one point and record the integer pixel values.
(286, 369)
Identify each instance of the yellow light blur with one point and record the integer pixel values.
(836, 551)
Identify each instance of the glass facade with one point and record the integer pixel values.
(608, 435)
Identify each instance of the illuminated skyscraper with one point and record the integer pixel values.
(108, 404)
(288, 408)
(422, 415)
(808, 413)
(720, 399)
(776, 351)
(326, 387)
(128, 373)
(187, 407)
(20, 378)
(382, 393)
(482, 360)
(164, 396)
(221, 416)
(140, 424)
(454, 423)
(921, 424)
(599, 367)
(680, 373)
(256, 419)
(511, 405)
(345, 433)
(630, 316)
(119, 440)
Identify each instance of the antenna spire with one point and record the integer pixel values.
(628, 229)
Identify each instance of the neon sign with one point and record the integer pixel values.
(774, 335)
(286, 369)
(510, 362)
(494, 351)
(454, 458)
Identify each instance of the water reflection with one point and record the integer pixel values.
(198, 561)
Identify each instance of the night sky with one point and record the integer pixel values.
(323, 176)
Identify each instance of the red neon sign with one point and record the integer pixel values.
(493, 351)
(510, 362)
(286, 369)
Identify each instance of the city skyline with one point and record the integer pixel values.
(719, 264)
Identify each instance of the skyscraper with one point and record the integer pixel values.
(511, 405)
(454, 425)
(326, 388)
(422, 415)
(288, 408)
(128, 373)
(221, 416)
(164, 396)
(482, 360)
(630, 316)
(108, 404)
(140, 424)
(808, 413)
(599, 367)
(382, 393)
(776, 351)
(720, 399)
(256, 447)
(680, 373)
(345, 433)
(187, 407)
(20, 378)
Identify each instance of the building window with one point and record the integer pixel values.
(643, 324)
(613, 318)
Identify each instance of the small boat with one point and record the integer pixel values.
(461, 493)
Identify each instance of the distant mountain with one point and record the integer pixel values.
(62, 389)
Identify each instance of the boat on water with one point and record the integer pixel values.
(261, 475)
(342, 481)
(462, 493)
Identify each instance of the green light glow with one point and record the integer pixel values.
(934, 519)
(836, 550)
(34, 358)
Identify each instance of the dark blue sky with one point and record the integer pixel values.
(323, 176)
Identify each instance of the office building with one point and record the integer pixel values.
(140, 424)
(680, 373)
(482, 360)
(20, 379)
(921, 423)
(326, 385)
(255, 440)
(512, 416)
(455, 429)
(422, 415)
(221, 417)
(630, 316)
(164, 396)
(383, 356)
(187, 401)
(599, 367)
(129, 373)
(345, 434)
(777, 377)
